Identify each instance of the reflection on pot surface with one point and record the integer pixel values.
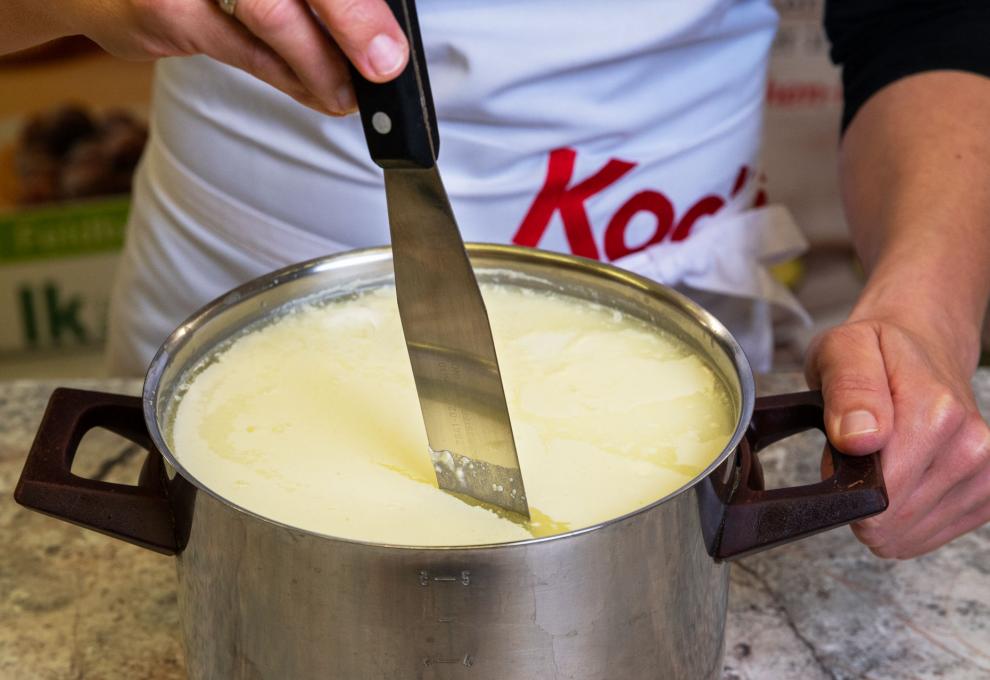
(313, 420)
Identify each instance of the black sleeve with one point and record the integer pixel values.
(879, 41)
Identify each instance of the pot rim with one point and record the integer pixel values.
(509, 253)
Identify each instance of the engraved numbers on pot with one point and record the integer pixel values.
(466, 660)
(446, 622)
(425, 578)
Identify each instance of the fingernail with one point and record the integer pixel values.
(345, 99)
(857, 422)
(385, 55)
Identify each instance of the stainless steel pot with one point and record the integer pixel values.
(639, 596)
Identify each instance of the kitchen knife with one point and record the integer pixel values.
(443, 314)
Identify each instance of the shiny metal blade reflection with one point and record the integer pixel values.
(450, 344)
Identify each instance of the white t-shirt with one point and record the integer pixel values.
(596, 128)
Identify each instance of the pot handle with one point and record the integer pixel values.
(138, 514)
(757, 518)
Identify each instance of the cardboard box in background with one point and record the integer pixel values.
(56, 269)
(803, 111)
(59, 243)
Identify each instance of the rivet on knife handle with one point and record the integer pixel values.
(399, 121)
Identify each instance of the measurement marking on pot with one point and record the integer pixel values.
(425, 578)
(466, 660)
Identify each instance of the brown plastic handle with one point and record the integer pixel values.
(138, 514)
(756, 519)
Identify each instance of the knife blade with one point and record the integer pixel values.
(444, 319)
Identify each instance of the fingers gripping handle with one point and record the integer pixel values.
(138, 514)
(399, 121)
(757, 519)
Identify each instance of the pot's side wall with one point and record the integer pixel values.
(640, 599)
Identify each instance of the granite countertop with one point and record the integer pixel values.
(76, 605)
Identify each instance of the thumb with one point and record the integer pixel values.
(368, 33)
(848, 364)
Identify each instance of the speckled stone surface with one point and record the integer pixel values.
(76, 605)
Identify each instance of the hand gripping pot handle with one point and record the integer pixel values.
(138, 514)
(757, 518)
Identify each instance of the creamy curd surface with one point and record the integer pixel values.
(313, 420)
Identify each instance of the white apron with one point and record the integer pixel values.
(626, 131)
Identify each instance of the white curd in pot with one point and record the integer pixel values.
(313, 420)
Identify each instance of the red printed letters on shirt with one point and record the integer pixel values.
(555, 195)
(558, 195)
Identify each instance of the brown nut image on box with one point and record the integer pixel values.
(71, 152)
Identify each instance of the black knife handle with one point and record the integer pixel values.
(399, 122)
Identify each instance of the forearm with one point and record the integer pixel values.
(916, 186)
(26, 23)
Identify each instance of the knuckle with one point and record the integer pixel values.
(348, 13)
(966, 459)
(157, 34)
(842, 336)
(903, 515)
(870, 532)
(149, 48)
(830, 345)
(855, 383)
(974, 444)
(946, 412)
(254, 59)
(273, 16)
(977, 435)
(872, 525)
(146, 10)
